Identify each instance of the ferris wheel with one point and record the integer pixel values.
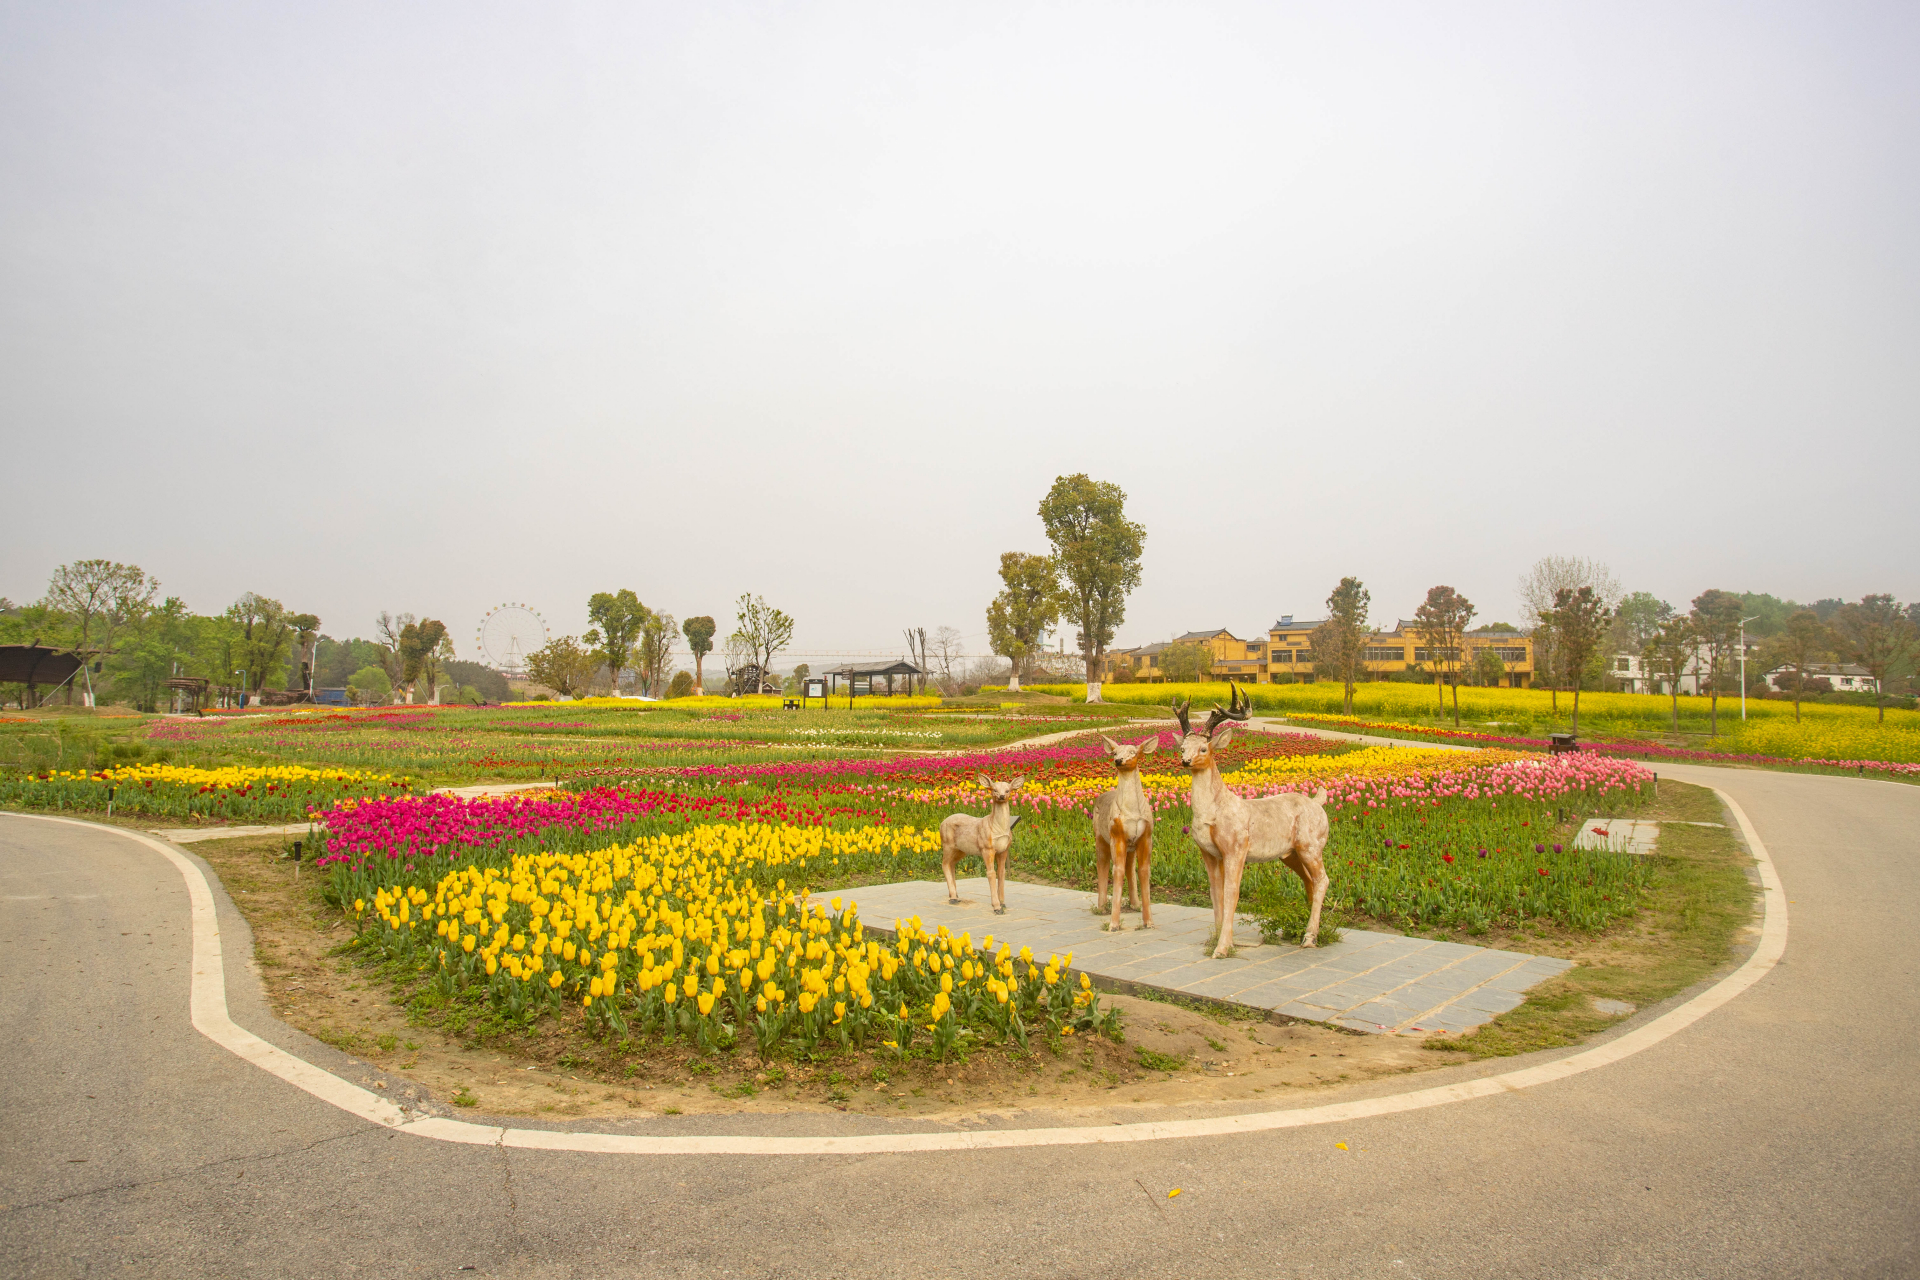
(508, 634)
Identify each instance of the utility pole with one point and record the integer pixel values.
(1743, 663)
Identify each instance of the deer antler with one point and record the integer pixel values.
(1239, 707)
(1180, 714)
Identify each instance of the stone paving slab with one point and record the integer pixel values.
(1368, 981)
(1618, 835)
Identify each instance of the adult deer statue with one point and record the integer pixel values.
(1231, 832)
(989, 839)
(1123, 834)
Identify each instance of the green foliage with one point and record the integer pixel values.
(1186, 662)
(370, 685)
(1027, 605)
(618, 619)
(1096, 553)
(682, 686)
(564, 665)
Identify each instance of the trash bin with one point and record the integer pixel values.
(1559, 742)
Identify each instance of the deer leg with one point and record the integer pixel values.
(1122, 865)
(1102, 861)
(949, 854)
(1145, 864)
(1213, 887)
(1002, 860)
(1314, 873)
(1231, 869)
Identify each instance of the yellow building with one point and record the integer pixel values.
(1288, 652)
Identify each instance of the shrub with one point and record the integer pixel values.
(682, 685)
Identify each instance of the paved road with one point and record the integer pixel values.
(1777, 1136)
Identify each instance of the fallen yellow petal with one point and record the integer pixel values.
(1171, 1194)
(1341, 1145)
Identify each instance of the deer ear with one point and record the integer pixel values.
(985, 781)
(1020, 781)
(1112, 746)
(1150, 746)
(1222, 738)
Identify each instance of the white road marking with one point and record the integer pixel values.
(210, 1018)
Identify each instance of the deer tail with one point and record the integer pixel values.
(1320, 796)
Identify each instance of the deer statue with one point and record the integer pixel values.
(989, 839)
(1231, 831)
(1123, 834)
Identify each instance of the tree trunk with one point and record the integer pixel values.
(1456, 702)
(699, 686)
(1576, 709)
(1013, 680)
(1093, 679)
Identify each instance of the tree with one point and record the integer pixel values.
(763, 629)
(419, 642)
(390, 628)
(682, 686)
(266, 631)
(1340, 643)
(654, 652)
(1443, 619)
(1579, 620)
(1186, 662)
(1096, 552)
(1488, 669)
(1878, 634)
(699, 633)
(1027, 605)
(99, 597)
(370, 685)
(948, 650)
(1537, 588)
(1802, 641)
(434, 660)
(737, 658)
(1639, 619)
(306, 635)
(1716, 622)
(618, 618)
(563, 665)
(1668, 652)
(917, 654)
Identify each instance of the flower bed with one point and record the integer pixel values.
(288, 793)
(681, 936)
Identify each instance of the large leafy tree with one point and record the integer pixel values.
(1340, 643)
(1716, 622)
(1878, 633)
(1096, 553)
(699, 633)
(1186, 662)
(563, 665)
(97, 598)
(1804, 641)
(265, 633)
(1028, 603)
(618, 619)
(1537, 588)
(1443, 617)
(1580, 622)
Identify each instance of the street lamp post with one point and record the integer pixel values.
(1743, 663)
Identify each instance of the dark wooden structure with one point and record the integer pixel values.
(858, 674)
(34, 665)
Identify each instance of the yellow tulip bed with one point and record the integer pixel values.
(1824, 733)
(678, 935)
(285, 792)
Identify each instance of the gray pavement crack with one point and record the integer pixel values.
(195, 1171)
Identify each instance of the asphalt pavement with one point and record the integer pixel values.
(1775, 1136)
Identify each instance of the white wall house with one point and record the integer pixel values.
(1631, 670)
(1845, 677)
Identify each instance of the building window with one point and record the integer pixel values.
(1436, 655)
(1386, 655)
(1625, 664)
(1283, 655)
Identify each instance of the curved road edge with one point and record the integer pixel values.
(211, 1018)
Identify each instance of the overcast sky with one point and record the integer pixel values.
(428, 307)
